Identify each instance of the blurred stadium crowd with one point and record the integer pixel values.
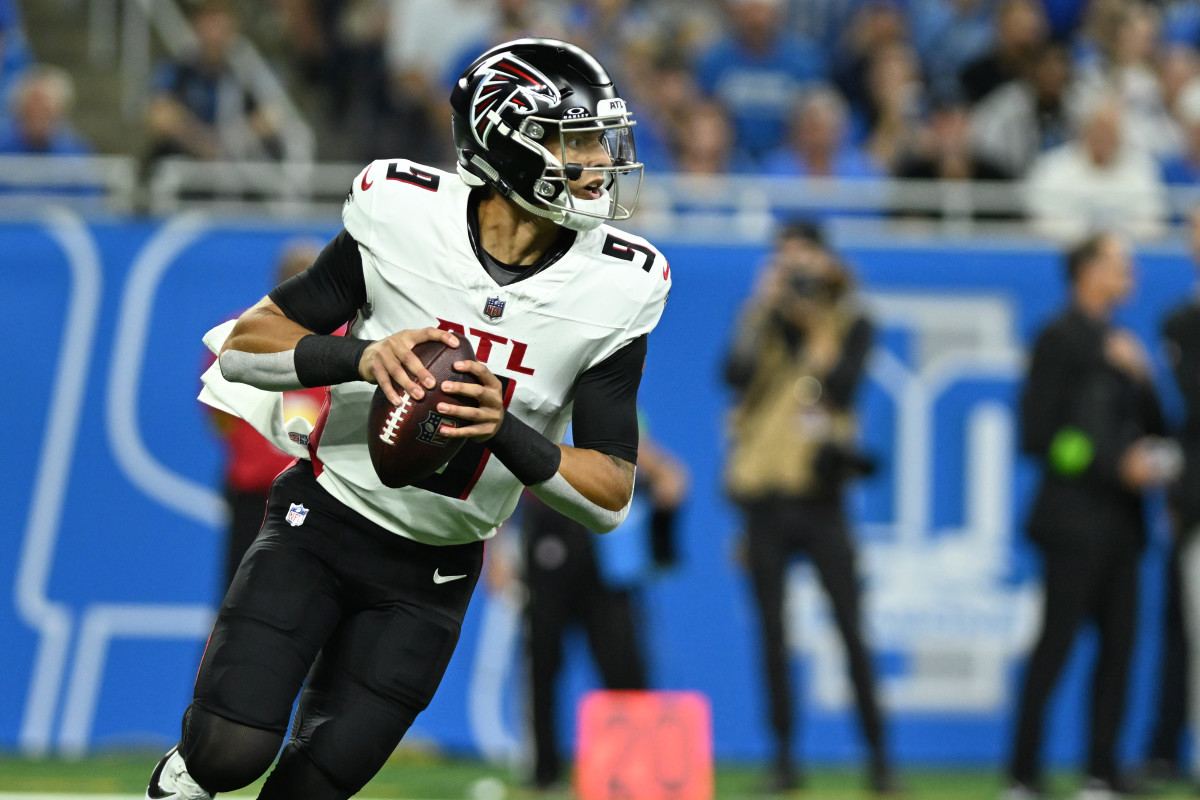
(1099, 95)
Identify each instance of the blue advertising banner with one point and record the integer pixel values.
(114, 520)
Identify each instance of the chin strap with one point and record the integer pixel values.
(567, 217)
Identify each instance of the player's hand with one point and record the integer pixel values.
(479, 423)
(391, 363)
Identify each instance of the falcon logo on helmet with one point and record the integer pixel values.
(508, 82)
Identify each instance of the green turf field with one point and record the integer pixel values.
(422, 777)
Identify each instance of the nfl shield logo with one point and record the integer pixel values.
(296, 514)
(493, 309)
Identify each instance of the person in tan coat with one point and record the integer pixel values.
(795, 362)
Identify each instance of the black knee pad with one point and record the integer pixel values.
(296, 775)
(222, 755)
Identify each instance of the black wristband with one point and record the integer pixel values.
(530, 456)
(328, 360)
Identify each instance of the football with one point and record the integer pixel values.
(405, 443)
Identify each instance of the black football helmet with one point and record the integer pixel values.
(520, 99)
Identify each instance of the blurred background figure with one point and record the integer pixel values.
(896, 104)
(1019, 31)
(197, 108)
(797, 358)
(872, 27)
(1183, 168)
(708, 145)
(1091, 418)
(946, 152)
(1181, 337)
(251, 462)
(41, 109)
(757, 71)
(818, 144)
(14, 52)
(576, 579)
(949, 34)
(1096, 180)
(1126, 65)
(1019, 119)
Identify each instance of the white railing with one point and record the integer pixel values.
(709, 208)
(88, 183)
(121, 30)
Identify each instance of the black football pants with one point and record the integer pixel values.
(347, 610)
(778, 530)
(1097, 583)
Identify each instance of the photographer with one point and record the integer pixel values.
(801, 346)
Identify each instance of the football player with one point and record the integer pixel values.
(355, 591)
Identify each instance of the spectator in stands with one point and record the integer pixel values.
(874, 26)
(198, 108)
(1095, 39)
(1095, 181)
(661, 90)
(1183, 169)
(1178, 65)
(1129, 68)
(610, 27)
(14, 53)
(757, 71)
(707, 146)
(945, 153)
(358, 98)
(425, 43)
(1020, 28)
(948, 35)
(40, 122)
(1022, 118)
(818, 145)
(897, 103)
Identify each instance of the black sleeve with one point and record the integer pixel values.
(1045, 393)
(846, 374)
(326, 295)
(605, 416)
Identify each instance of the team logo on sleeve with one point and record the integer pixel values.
(493, 309)
(296, 514)
(508, 83)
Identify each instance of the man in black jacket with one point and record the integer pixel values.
(1090, 415)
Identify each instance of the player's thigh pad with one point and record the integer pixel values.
(379, 670)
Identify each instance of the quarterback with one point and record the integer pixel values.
(353, 594)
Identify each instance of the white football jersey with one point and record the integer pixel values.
(538, 335)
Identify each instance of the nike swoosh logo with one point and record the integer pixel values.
(365, 184)
(440, 578)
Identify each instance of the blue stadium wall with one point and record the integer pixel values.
(112, 521)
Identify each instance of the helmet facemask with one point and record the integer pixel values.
(597, 156)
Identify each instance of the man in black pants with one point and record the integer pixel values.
(798, 357)
(1090, 415)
